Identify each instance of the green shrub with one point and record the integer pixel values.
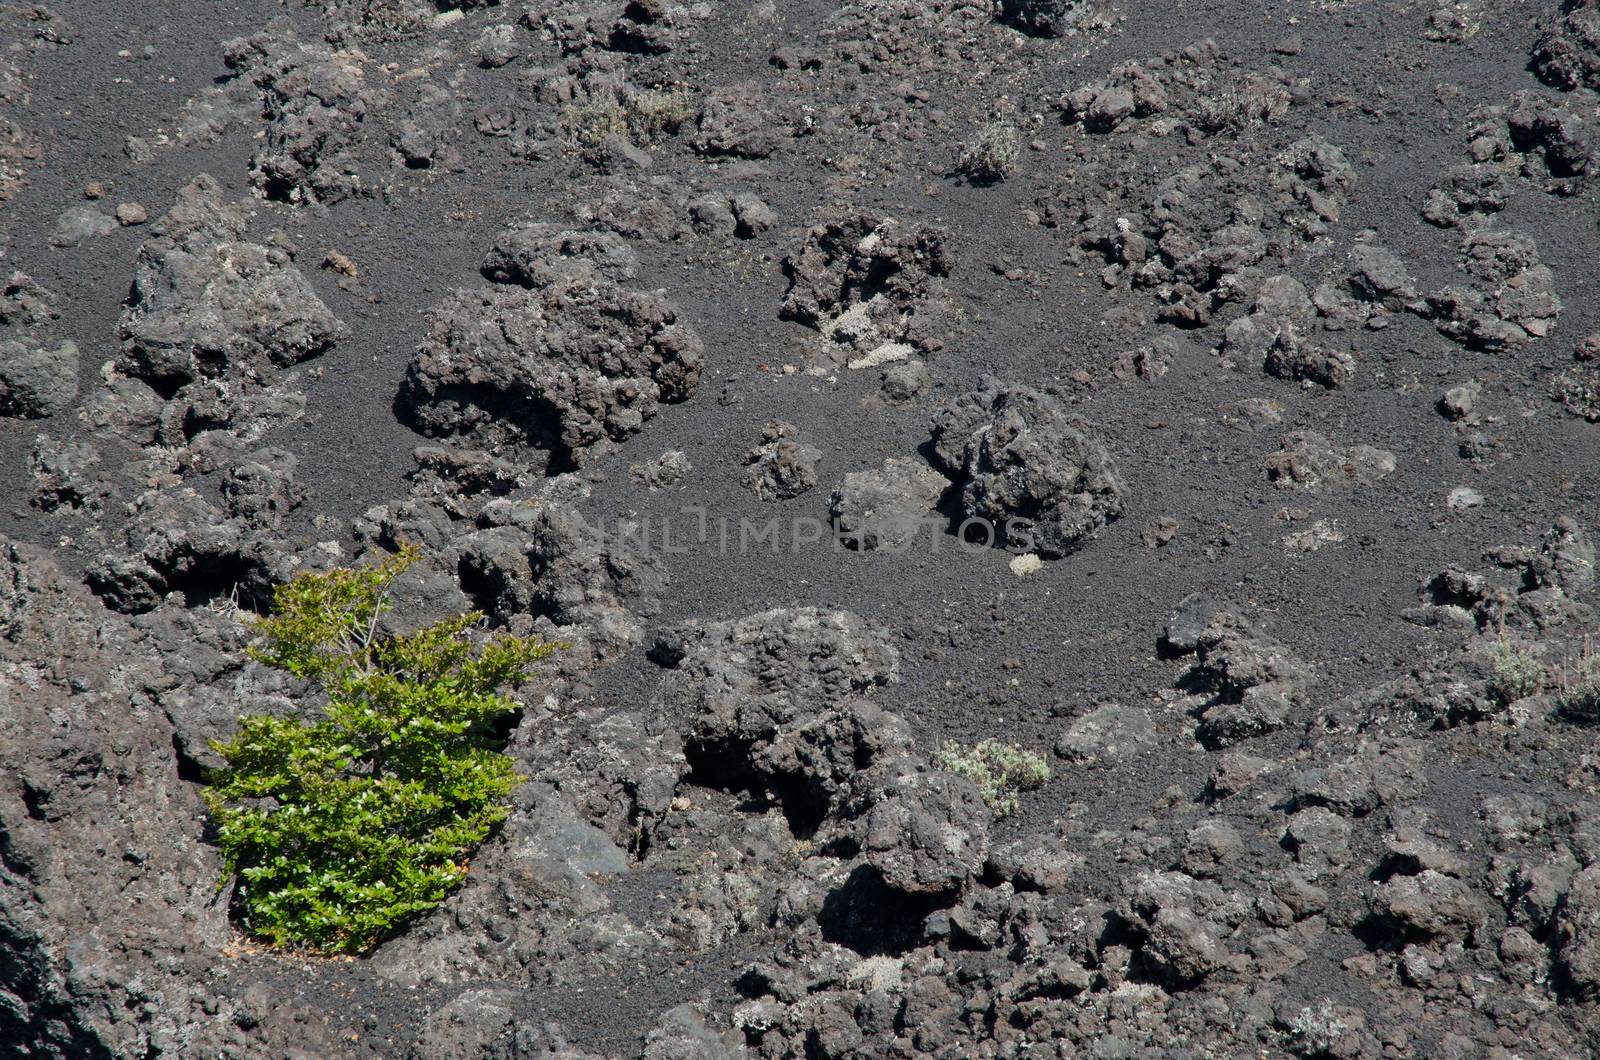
(1515, 672)
(341, 828)
(999, 770)
(1578, 696)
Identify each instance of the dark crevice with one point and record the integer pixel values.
(226, 576)
(35, 801)
(1382, 933)
(536, 421)
(189, 770)
(165, 386)
(866, 915)
(724, 765)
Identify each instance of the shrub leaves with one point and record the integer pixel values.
(340, 829)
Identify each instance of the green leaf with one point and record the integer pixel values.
(341, 828)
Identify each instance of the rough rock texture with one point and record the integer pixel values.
(1054, 18)
(1514, 300)
(1567, 54)
(545, 561)
(1197, 251)
(537, 254)
(782, 466)
(87, 753)
(24, 303)
(886, 507)
(178, 542)
(207, 304)
(737, 682)
(780, 798)
(37, 380)
(1106, 734)
(1308, 461)
(313, 100)
(1277, 331)
(561, 367)
(1035, 473)
(867, 281)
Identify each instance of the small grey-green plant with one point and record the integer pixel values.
(999, 770)
(1578, 694)
(1514, 672)
(1241, 106)
(590, 123)
(642, 117)
(992, 154)
(656, 112)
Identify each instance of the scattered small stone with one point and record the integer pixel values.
(1159, 533)
(668, 469)
(335, 261)
(130, 214)
(884, 508)
(1464, 497)
(1308, 461)
(1459, 402)
(1320, 533)
(80, 223)
(1252, 414)
(781, 466)
(1148, 363)
(905, 381)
